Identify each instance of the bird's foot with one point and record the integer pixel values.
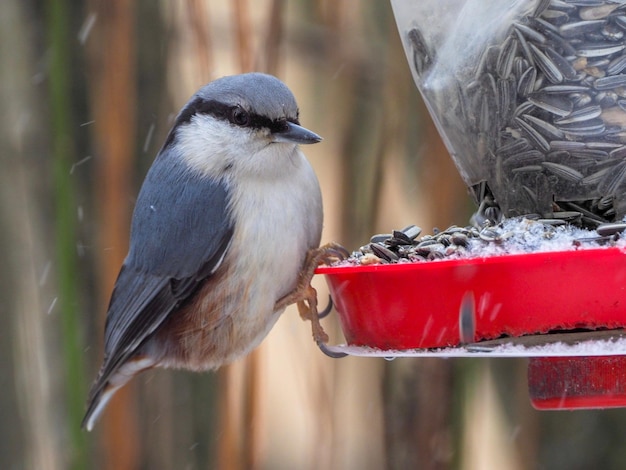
(305, 296)
(315, 257)
(307, 308)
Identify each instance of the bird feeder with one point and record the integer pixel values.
(530, 100)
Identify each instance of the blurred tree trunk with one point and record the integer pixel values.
(29, 431)
(63, 100)
(114, 105)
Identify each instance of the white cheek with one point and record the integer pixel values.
(215, 148)
(211, 146)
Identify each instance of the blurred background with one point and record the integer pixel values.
(89, 90)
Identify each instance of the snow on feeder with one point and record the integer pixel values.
(530, 100)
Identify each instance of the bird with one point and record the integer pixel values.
(225, 234)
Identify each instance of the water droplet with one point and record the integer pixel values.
(146, 142)
(52, 304)
(45, 273)
(78, 163)
(86, 27)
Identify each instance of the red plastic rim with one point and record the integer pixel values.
(416, 305)
(566, 383)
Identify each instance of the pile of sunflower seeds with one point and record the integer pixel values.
(541, 117)
(511, 236)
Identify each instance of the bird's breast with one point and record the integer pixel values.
(275, 225)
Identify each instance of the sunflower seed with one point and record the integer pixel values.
(582, 100)
(563, 171)
(616, 65)
(547, 66)
(525, 108)
(579, 115)
(566, 145)
(590, 128)
(555, 104)
(530, 33)
(383, 252)
(610, 229)
(613, 180)
(595, 178)
(544, 127)
(597, 12)
(608, 146)
(412, 231)
(578, 28)
(606, 99)
(620, 21)
(619, 152)
(562, 5)
(599, 50)
(535, 137)
(504, 64)
(527, 169)
(526, 82)
(613, 81)
(541, 7)
(422, 56)
(513, 147)
(527, 157)
(564, 89)
(556, 17)
(592, 154)
(400, 238)
(566, 69)
(380, 238)
(566, 215)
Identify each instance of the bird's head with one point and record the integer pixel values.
(240, 124)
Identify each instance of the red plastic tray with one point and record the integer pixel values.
(416, 305)
(566, 383)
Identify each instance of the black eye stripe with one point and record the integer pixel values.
(224, 111)
(260, 122)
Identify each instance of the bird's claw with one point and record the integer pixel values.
(308, 311)
(332, 354)
(330, 253)
(329, 308)
(305, 296)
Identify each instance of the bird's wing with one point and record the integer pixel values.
(180, 234)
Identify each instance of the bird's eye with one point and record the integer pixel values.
(239, 116)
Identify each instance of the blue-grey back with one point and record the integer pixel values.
(180, 219)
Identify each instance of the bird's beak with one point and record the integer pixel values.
(296, 134)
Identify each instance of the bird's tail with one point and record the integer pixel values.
(106, 385)
(96, 404)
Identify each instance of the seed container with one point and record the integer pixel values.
(529, 97)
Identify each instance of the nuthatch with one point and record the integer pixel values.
(224, 236)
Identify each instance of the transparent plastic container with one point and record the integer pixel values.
(529, 97)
